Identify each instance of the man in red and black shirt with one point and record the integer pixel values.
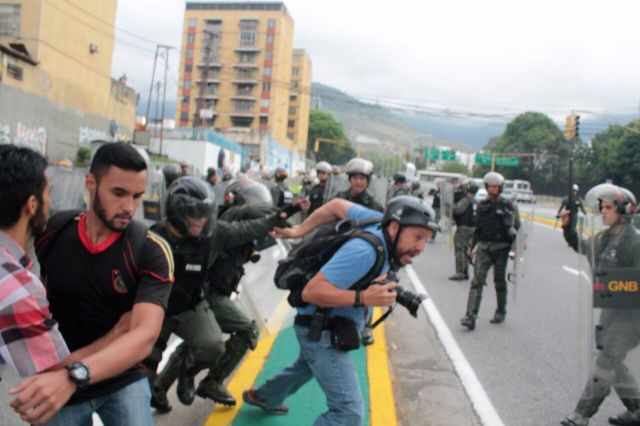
(97, 269)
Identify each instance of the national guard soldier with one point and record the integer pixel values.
(577, 204)
(399, 185)
(280, 192)
(359, 172)
(196, 239)
(416, 189)
(497, 221)
(614, 261)
(244, 199)
(464, 214)
(316, 195)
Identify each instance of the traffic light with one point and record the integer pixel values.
(577, 125)
(571, 126)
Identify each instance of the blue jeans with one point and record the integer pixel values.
(125, 407)
(334, 371)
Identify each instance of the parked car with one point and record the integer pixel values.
(524, 196)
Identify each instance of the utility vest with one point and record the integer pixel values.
(494, 220)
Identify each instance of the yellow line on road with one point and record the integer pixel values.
(382, 405)
(246, 374)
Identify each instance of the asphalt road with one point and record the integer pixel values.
(532, 366)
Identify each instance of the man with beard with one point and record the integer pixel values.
(97, 269)
(29, 338)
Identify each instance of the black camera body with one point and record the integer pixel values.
(405, 297)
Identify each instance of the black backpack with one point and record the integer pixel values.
(136, 233)
(304, 261)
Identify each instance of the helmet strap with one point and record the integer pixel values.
(395, 262)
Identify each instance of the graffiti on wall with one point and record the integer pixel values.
(87, 134)
(34, 137)
(5, 131)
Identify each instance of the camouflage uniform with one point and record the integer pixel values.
(465, 216)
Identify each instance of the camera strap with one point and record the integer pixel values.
(382, 318)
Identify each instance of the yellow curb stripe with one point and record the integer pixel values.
(382, 405)
(246, 374)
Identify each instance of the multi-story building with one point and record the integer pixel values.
(56, 91)
(299, 100)
(235, 73)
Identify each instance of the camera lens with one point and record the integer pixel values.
(409, 300)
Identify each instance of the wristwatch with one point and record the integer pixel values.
(358, 303)
(79, 374)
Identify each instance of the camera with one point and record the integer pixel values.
(409, 300)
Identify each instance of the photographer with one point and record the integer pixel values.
(404, 230)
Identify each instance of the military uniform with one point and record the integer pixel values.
(618, 330)
(400, 191)
(281, 195)
(316, 197)
(364, 199)
(496, 225)
(190, 314)
(464, 215)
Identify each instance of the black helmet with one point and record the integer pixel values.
(472, 187)
(171, 172)
(399, 177)
(247, 191)
(192, 197)
(410, 211)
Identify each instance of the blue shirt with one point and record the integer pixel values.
(351, 262)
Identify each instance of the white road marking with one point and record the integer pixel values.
(575, 272)
(481, 402)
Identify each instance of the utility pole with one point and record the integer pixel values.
(157, 103)
(164, 92)
(153, 76)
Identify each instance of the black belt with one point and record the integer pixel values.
(304, 321)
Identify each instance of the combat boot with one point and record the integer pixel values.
(159, 400)
(212, 389)
(627, 418)
(457, 277)
(469, 321)
(575, 419)
(186, 386)
(498, 318)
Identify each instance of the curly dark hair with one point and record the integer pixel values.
(22, 175)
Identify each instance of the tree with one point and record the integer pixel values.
(322, 125)
(454, 167)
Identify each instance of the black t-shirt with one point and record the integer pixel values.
(90, 287)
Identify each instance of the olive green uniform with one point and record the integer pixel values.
(465, 217)
(364, 199)
(495, 232)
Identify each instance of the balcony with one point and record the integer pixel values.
(245, 97)
(252, 65)
(243, 114)
(211, 80)
(247, 49)
(207, 96)
(248, 80)
(210, 65)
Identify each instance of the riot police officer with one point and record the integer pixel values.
(610, 252)
(497, 221)
(316, 195)
(464, 214)
(197, 239)
(577, 203)
(399, 185)
(280, 192)
(359, 172)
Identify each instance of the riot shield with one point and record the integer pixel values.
(520, 252)
(335, 184)
(446, 211)
(378, 188)
(609, 277)
(67, 188)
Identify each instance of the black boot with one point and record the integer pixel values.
(469, 321)
(625, 419)
(159, 401)
(498, 317)
(212, 389)
(186, 389)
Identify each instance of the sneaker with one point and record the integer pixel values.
(497, 318)
(626, 419)
(367, 336)
(159, 401)
(575, 419)
(249, 396)
(215, 391)
(469, 321)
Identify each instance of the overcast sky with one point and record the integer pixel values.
(490, 55)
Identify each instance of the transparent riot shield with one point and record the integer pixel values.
(67, 188)
(378, 189)
(335, 184)
(446, 211)
(520, 252)
(610, 276)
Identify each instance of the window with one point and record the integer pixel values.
(264, 120)
(271, 23)
(270, 38)
(291, 123)
(290, 135)
(244, 89)
(295, 71)
(294, 84)
(185, 99)
(209, 104)
(266, 87)
(189, 53)
(241, 121)
(248, 32)
(292, 110)
(243, 106)
(10, 20)
(267, 71)
(210, 89)
(268, 55)
(14, 71)
(187, 85)
(243, 74)
(188, 68)
(264, 103)
(247, 58)
(184, 116)
(192, 22)
(191, 38)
